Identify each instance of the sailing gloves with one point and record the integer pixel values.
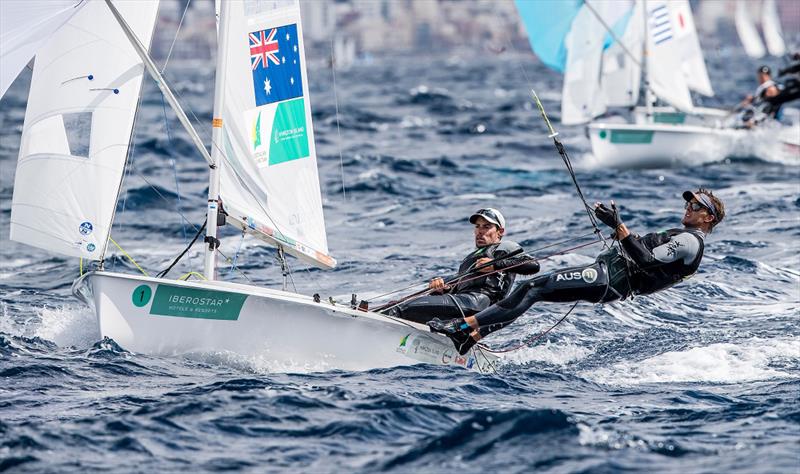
(609, 217)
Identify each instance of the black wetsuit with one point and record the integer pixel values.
(469, 294)
(648, 264)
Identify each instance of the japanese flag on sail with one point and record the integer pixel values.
(275, 61)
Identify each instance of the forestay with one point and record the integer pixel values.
(81, 107)
(26, 25)
(268, 178)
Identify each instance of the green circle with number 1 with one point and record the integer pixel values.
(141, 295)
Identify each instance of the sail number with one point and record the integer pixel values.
(141, 295)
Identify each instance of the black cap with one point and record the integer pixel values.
(765, 70)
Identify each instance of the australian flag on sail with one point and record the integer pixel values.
(660, 24)
(275, 61)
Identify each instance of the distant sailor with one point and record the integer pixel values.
(758, 105)
(473, 292)
(645, 265)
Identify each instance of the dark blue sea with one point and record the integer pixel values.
(704, 377)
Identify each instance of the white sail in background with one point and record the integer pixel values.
(25, 25)
(268, 178)
(664, 62)
(748, 33)
(580, 99)
(81, 107)
(622, 70)
(771, 24)
(693, 63)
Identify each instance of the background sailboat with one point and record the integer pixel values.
(672, 67)
(262, 166)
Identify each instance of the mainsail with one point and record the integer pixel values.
(83, 99)
(664, 70)
(269, 183)
(26, 25)
(748, 33)
(771, 23)
(693, 63)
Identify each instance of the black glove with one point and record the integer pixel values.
(607, 216)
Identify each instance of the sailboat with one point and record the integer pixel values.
(612, 45)
(90, 61)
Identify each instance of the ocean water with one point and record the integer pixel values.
(704, 377)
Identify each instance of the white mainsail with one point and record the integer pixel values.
(269, 182)
(580, 98)
(748, 33)
(25, 25)
(81, 107)
(622, 60)
(771, 24)
(693, 63)
(664, 70)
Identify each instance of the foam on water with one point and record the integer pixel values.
(745, 361)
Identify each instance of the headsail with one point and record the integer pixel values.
(268, 178)
(622, 60)
(581, 100)
(81, 107)
(26, 25)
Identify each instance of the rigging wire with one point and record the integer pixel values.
(172, 163)
(338, 128)
(530, 340)
(175, 39)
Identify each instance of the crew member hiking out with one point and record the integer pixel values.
(642, 266)
(475, 287)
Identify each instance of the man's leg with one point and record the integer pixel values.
(588, 283)
(423, 309)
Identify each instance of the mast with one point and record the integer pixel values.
(648, 93)
(216, 142)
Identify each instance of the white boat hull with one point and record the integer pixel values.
(167, 317)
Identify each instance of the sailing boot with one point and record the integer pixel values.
(457, 330)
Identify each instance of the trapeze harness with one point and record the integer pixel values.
(474, 294)
(646, 265)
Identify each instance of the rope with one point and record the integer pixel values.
(128, 256)
(530, 340)
(186, 276)
(164, 272)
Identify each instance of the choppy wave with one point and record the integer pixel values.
(702, 377)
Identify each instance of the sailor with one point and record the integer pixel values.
(478, 286)
(644, 265)
(759, 101)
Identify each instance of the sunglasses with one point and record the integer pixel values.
(696, 206)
